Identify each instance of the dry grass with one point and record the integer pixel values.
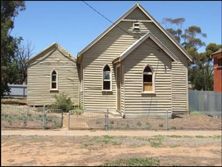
(109, 150)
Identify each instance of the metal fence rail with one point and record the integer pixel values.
(14, 116)
(208, 102)
(106, 121)
(87, 120)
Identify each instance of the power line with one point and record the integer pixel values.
(91, 7)
(97, 11)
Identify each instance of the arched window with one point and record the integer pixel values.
(106, 78)
(54, 80)
(148, 83)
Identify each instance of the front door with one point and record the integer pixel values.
(118, 79)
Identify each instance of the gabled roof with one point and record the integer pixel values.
(219, 51)
(170, 37)
(50, 48)
(217, 54)
(140, 41)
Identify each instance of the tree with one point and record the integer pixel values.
(23, 54)
(178, 22)
(211, 48)
(9, 44)
(190, 38)
(200, 71)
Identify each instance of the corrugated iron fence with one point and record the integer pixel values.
(208, 102)
(17, 90)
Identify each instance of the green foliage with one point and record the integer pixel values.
(201, 77)
(139, 123)
(77, 110)
(191, 38)
(196, 113)
(14, 119)
(9, 44)
(211, 48)
(134, 162)
(63, 102)
(156, 141)
(107, 139)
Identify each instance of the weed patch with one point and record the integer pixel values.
(134, 162)
(156, 141)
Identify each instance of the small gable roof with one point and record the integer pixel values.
(219, 51)
(50, 48)
(149, 17)
(140, 41)
(217, 54)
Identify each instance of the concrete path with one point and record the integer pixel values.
(65, 132)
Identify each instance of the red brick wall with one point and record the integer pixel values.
(217, 73)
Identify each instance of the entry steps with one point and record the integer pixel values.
(154, 114)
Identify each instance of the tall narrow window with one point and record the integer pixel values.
(106, 78)
(148, 80)
(54, 80)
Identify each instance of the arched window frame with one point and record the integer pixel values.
(153, 80)
(110, 80)
(56, 81)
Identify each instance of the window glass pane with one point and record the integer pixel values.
(53, 73)
(53, 77)
(106, 85)
(220, 62)
(147, 69)
(106, 68)
(53, 85)
(106, 75)
(147, 78)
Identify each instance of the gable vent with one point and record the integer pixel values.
(136, 27)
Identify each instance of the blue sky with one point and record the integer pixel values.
(74, 25)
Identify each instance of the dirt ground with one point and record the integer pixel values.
(97, 150)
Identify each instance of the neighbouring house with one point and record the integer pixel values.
(217, 58)
(50, 72)
(135, 66)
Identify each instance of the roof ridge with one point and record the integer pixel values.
(218, 51)
(54, 45)
(154, 21)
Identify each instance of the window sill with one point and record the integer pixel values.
(54, 90)
(146, 93)
(106, 90)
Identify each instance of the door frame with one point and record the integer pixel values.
(118, 98)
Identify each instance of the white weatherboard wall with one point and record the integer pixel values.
(135, 100)
(171, 88)
(84, 84)
(179, 72)
(102, 53)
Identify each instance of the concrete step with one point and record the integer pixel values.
(148, 114)
(115, 114)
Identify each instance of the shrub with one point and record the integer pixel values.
(63, 102)
(139, 123)
(156, 141)
(78, 110)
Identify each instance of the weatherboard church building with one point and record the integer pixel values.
(134, 66)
